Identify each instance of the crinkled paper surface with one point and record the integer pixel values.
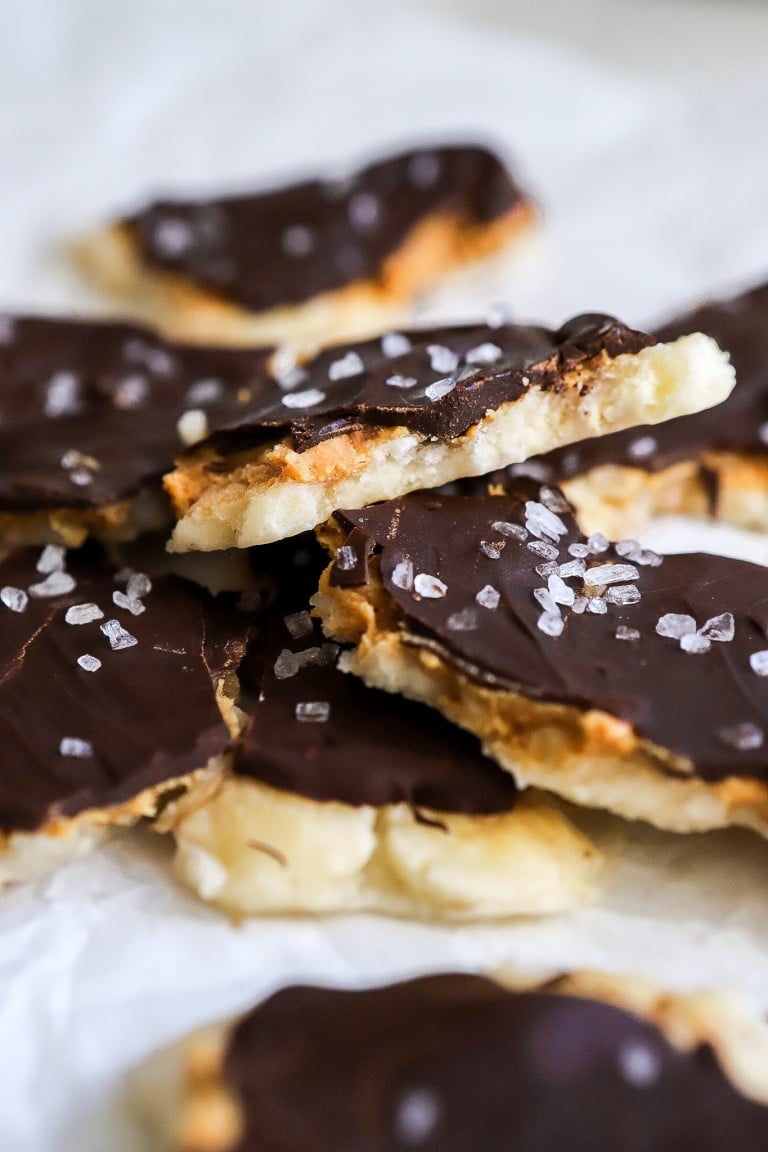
(653, 198)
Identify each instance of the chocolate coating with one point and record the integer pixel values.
(680, 700)
(283, 247)
(149, 712)
(740, 326)
(456, 1063)
(374, 748)
(528, 358)
(122, 390)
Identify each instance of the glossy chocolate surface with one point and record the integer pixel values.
(263, 250)
(456, 1063)
(89, 411)
(441, 383)
(372, 747)
(691, 703)
(147, 715)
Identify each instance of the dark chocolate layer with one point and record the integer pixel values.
(692, 703)
(739, 424)
(74, 739)
(444, 381)
(89, 411)
(366, 747)
(283, 247)
(458, 1064)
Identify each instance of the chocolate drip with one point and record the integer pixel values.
(458, 1064)
(689, 702)
(146, 716)
(284, 247)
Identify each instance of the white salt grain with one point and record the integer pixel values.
(57, 584)
(743, 737)
(516, 531)
(307, 399)
(675, 625)
(604, 574)
(625, 633)
(402, 382)
(464, 621)
(89, 663)
(14, 598)
(402, 575)
(550, 624)
(488, 597)
(299, 624)
(83, 614)
(72, 746)
(346, 558)
(597, 543)
(695, 643)
(346, 366)
(758, 662)
(117, 635)
(52, 559)
(313, 712)
(429, 586)
(483, 354)
(721, 628)
(623, 594)
(440, 388)
(204, 392)
(560, 591)
(192, 426)
(395, 344)
(129, 603)
(442, 359)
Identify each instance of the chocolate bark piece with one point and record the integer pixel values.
(714, 462)
(636, 667)
(94, 413)
(417, 409)
(314, 261)
(456, 1062)
(110, 690)
(347, 799)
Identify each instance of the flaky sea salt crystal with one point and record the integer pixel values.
(159, 361)
(308, 399)
(597, 543)
(647, 558)
(416, 1117)
(623, 594)
(89, 663)
(466, 620)
(204, 392)
(642, 448)
(442, 359)
(560, 591)
(545, 600)
(550, 624)
(56, 584)
(483, 354)
(541, 548)
(571, 568)
(62, 396)
(440, 388)
(758, 662)
(547, 568)
(424, 169)
(429, 586)
(192, 426)
(402, 382)
(553, 499)
(639, 1065)
(597, 605)
(173, 235)
(721, 628)
(402, 575)
(348, 365)
(364, 211)
(138, 585)
(117, 635)
(626, 547)
(395, 344)
(52, 559)
(623, 632)
(541, 522)
(488, 597)
(506, 528)
(603, 574)
(580, 605)
(675, 625)
(72, 746)
(578, 550)
(744, 737)
(695, 643)
(81, 477)
(14, 598)
(492, 551)
(131, 392)
(129, 603)
(346, 558)
(286, 665)
(83, 614)
(297, 240)
(289, 378)
(313, 712)
(299, 624)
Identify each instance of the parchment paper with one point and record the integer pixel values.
(652, 197)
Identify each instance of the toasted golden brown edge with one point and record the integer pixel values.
(253, 849)
(275, 492)
(185, 310)
(586, 756)
(182, 1095)
(125, 520)
(621, 501)
(26, 855)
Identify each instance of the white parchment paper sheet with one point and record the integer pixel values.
(652, 198)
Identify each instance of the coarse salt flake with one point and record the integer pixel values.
(550, 624)
(14, 598)
(483, 354)
(488, 597)
(299, 624)
(429, 586)
(442, 359)
(129, 603)
(347, 365)
(744, 737)
(313, 711)
(117, 635)
(192, 426)
(56, 584)
(758, 662)
(52, 559)
(83, 614)
(346, 558)
(204, 392)
(516, 531)
(721, 628)
(603, 574)
(466, 620)
(695, 643)
(89, 663)
(307, 399)
(675, 625)
(623, 632)
(395, 344)
(402, 575)
(440, 388)
(72, 746)
(402, 382)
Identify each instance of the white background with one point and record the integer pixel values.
(640, 128)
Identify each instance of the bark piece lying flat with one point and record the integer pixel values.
(114, 693)
(598, 671)
(312, 261)
(91, 416)
(346, 799)
(714, 463)
(364, 423)
(462, 1062)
